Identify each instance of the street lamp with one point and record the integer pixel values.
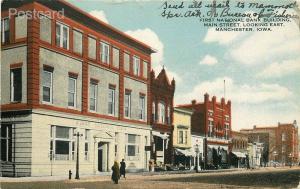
(197, 157)
(77, 155)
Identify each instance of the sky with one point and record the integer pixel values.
(261, 69)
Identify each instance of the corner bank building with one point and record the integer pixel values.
(68, 74)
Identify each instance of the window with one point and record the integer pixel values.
(136, 66)
(283, 137)
(132, 145)
(142, 107)
(104, 53)
(93, 96)
(16, 85)
(153, 112)
(127, 105)
(5, 30)
(126, 62)
(111, 100)
(210, 128)
(62, 143)
(161, 110)
(47, 86)
(6, 142)
(77, 41)
(62, 35)
(86, 144)
(116, 57)
(180, 137)
(168, 120)
(72, 92)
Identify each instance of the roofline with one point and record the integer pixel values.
(105, 24)
(183, 110)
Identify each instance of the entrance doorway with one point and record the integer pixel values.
(102, 156)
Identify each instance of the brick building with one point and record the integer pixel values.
(238, 147)
(212, 120)
(67, 74)
(162, 94)
(280, 142)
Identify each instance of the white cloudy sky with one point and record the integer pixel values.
(261, 69)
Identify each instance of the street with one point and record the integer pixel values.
(262, 178)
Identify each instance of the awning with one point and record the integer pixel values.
(162, 136)
(239, 154)
(187, 152)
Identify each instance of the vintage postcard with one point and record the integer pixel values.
(150, 94)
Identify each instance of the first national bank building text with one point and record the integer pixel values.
(64, 75)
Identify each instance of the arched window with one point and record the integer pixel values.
(153, 112)
(161, 112)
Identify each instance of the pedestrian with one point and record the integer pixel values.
(115, 172)
(122, 168)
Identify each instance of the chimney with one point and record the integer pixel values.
(214, 99)
(254, 126)
(194, 102)
(278, 123)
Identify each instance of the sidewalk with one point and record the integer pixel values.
(106, 176)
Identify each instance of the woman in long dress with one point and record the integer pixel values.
(115, 172)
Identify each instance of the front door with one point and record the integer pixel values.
(100, 156)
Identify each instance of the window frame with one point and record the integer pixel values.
(13, 98)
(113, 96)
(71, 92)
(135, 145)
(105, 59)
(61, 35)
(51, 88)
(162, 111)
(3, 41)
(136, 66)
(95, 96)
(127, 93)
(8, 142)
(142, 105)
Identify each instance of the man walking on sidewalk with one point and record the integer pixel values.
(122, 168)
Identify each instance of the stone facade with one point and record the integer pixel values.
(39, 134)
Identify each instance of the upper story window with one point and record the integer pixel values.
(127, 104)
(47, 86)
(93, 96)
(72, 92)
(136, 66)
(104, 54)
(161, 110)
(182, 137)
(77, 41)
(116, 57)
(111, 100)
(5, 30)
(16, 85)
(62, 35)
(6, 142)
(153, 112)
(168, 115)
(142, 107)
(126, 62)
(283, 137)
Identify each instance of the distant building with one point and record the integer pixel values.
(238, 149)
(212, 120)
(280, 142)
(162, 94)
(254, 153)
(182, 137)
